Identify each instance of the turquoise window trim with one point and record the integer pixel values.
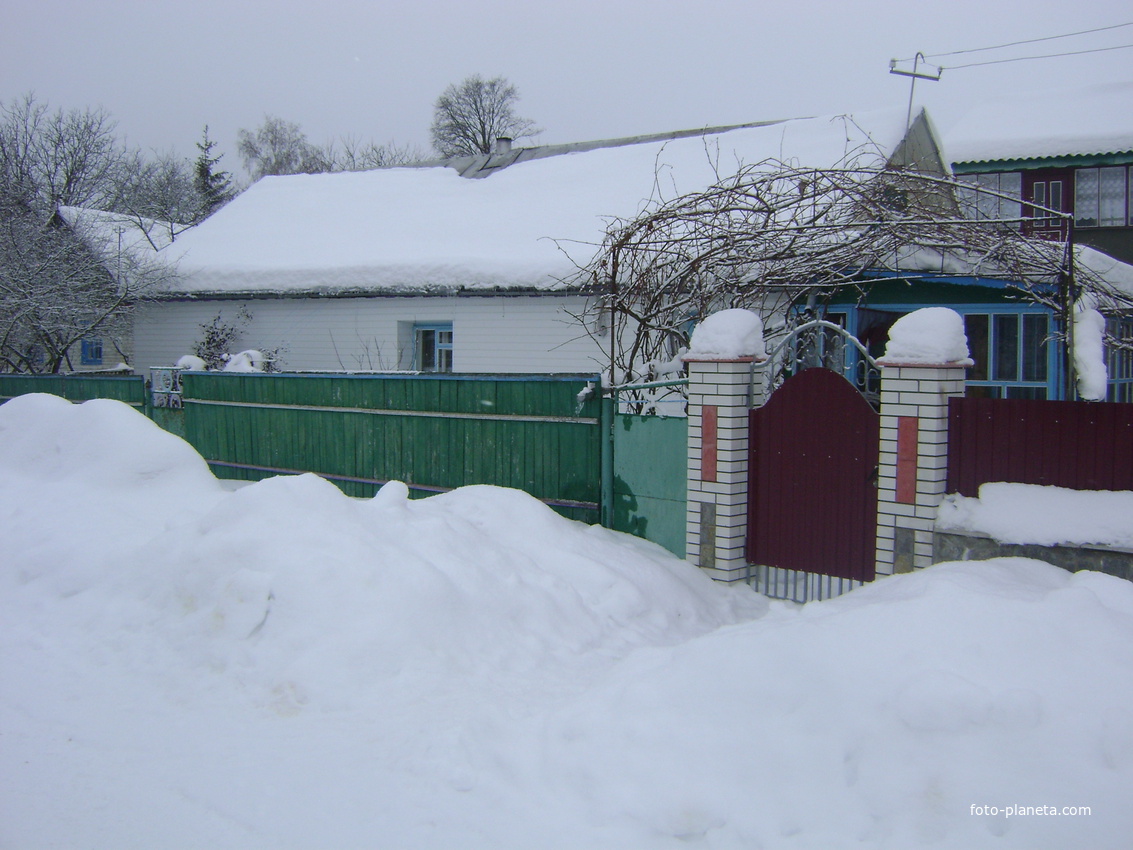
(433, 346)
(1052, 386)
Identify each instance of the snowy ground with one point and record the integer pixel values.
(182, 666)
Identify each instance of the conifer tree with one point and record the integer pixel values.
(214, 186)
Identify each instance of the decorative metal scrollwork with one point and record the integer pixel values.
(165, 382)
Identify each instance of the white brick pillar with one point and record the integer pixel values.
(913, 463)
(719, 397)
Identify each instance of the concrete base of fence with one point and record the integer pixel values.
(948, 546)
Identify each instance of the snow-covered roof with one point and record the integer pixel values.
(1056, 122)
(525, 227)
(109, 232)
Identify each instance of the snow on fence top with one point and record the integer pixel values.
(932, 335)
(427, 228)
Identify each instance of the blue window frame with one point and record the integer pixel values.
(432, 347)
(91, 354)
(1119, 360)
(1011, 347)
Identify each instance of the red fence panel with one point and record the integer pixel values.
(1074, 444)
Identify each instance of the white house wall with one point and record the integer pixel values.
(527, 334)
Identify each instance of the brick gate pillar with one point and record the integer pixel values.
(913, 464)
(719, 396)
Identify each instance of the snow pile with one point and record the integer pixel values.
(1089, 351)
(285, 667)
(191, 363)
(1043, 516)
(246, 361)
(728, 334)
(932, 335)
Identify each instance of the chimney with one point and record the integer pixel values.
(503, 145)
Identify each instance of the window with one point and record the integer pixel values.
(1119, 358)
(432, 347)
(1101, 197)
(1012, 358)
(984, 205)
(91, 352)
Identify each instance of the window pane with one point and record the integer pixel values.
(1010, 183)
(1086, 197)
(975, 326)
(965, 197)
(1006, 362)
(1034, 347)
(1038, 195)
(426, 350)
(1111, 197)
(987, 206)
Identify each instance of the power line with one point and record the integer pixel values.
(1044, 56)
(1025, 41)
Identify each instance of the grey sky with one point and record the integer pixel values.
(585, 69)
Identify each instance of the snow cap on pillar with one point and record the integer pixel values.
(932, 336)
(728, 335)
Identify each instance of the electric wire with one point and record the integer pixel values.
(1025, 41)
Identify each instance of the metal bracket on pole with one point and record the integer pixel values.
(916, 75)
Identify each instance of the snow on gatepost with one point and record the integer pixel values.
(930, 336)
(729, 334)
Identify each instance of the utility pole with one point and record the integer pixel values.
(916, 74)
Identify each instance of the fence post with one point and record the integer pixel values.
(913, 463)
(719, 393)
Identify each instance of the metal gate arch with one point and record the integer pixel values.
(812, 506)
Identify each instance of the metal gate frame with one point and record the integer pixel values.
(826, 346)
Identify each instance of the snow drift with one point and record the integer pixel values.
(285, 667)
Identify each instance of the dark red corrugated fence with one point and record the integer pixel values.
(1075, 444)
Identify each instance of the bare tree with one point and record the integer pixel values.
(57, 285)
(351, 154)
(60, 284)
(62, 158)
(775, 234)
(280, 147)
(469, 117)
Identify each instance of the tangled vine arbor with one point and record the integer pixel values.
(774, 234)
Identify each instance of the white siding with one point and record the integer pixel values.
(533, 334)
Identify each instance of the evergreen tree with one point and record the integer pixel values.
(215, 187)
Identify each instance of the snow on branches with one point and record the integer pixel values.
(774, 234)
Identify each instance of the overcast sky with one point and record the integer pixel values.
(585, 69)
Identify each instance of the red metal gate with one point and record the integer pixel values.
(812, 503)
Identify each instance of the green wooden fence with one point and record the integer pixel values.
(433, 432)
(130, 389)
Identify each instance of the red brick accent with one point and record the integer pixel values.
(708, 443)
(907, 427)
